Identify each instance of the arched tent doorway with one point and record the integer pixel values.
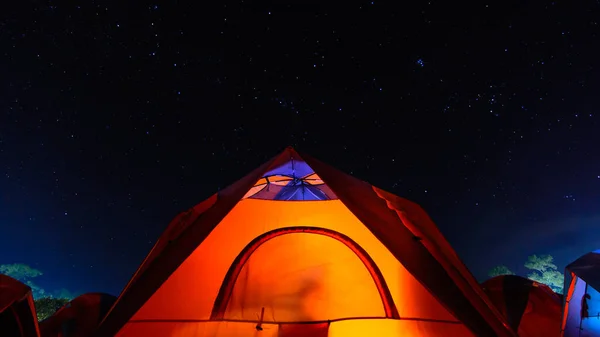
(328, 259)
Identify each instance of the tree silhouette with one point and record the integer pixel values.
(543, 270)
(45, 303)
(19, 271)
(24, 273)
(500, 270)
(47, 306)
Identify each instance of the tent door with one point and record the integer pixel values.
(227, 288)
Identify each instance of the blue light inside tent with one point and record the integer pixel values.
(581, 321)
(590, 325)
(298, 190)
(572, 328)
(306, 189)
(292, 181)
(292, 168)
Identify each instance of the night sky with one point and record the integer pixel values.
(115, 117)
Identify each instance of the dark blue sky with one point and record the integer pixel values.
(114, 118)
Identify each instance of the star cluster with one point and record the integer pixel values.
(115, 117)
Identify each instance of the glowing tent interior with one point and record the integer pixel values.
(299, 248)
(17, 311)
(78, 318)
(581, 311)
(531, 308)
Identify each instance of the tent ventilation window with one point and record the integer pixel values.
(291, 188)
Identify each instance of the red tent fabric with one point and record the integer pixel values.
(78, 318)
(214, 272)
(17, 310)
(531, 308)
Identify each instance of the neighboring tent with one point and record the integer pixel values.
(581, 313)
(78, 318)
(298, 248)
(17, 311)
(531, 308)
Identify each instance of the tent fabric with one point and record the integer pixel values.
(207, 275)
(581, 309)
(531, 308)
(78, 318)
(587, 268)
(17, 310)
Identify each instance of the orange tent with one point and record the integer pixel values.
(531, 308)
(299, 248)
(78, 318)
(17, 311)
